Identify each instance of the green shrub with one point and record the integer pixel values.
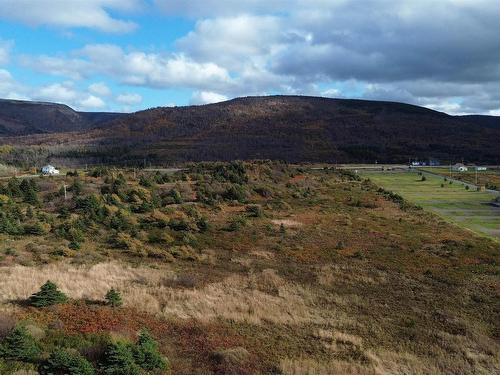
(63, 361)
(99, 172)
(178, 224)
(254, 210)
(236, 224)
(119, 360)
(160, 236)
(31, 197)
(75, 245)
(19, 345)
(202, 224)
(146, 353)
(235, 193)
(47, 296)
(145, 181)
(35, 229)
(76, 187)
(176, 196)
(113, 298)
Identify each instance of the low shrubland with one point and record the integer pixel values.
(240, 268)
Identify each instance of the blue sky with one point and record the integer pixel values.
(126, 55)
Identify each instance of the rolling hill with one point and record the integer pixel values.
(292, 128)
(19, 117)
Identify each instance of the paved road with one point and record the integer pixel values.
(22, 176)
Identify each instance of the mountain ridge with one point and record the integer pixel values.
(21, 117)
(291, 128)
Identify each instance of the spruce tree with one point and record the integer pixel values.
(63, 361)
(113, 298)
(47, 296)
(19, 345)
(146, 353)
(120, 360)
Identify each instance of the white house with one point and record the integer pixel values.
(459, 167)
(50, 170)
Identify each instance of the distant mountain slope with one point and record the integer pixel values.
(292, 128)
(19, 117)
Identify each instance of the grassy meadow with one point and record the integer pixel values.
(490, 178)
(245, 268)
(469, 209)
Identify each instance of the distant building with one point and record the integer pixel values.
(434, 162)
(50, 170)
(418, 163)
(459, 167)
(481, 168)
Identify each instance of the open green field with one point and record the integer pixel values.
(490, 177)
(467, 208)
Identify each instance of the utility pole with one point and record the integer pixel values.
(476, 175)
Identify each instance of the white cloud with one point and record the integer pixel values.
(67, 93)
(5, 47)
(63, 13)
(203, 8)
(447, 107)
(99, 88)
(68, 67)
(129, 99)
(332, 93)
(233, 41)
(133, 68)
(56, 92)
(91, 102)
(206, 97)
(10, 88)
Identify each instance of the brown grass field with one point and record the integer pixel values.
(332, 278)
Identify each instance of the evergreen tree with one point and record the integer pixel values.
(113, 298)
(31, 197)
(146, 353)
(120, 360)
(76, 187)
(176, 196)
(19, 345)
(63, 361)
(13, 188)
(47, 296)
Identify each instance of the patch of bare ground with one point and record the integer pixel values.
(286, 222)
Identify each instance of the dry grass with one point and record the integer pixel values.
(382, 363)
(309, 366)
(329, 274)
(252, 298)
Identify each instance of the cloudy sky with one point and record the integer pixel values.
(125, 55)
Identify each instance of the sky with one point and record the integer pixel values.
(127, 55)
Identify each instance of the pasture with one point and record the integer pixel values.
(467, 208)
(490, 177)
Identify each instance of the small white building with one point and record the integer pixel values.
(50, 170)
(459, 167)
(481, 168)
